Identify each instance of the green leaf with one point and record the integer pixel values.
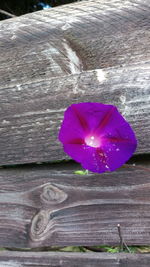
(81, 172)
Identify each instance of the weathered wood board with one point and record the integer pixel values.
(88, 51)
(80, 36)
(45, 206)
(59, 259)
(31, 116)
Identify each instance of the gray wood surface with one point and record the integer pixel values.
(30, 118)
(71, 38)
(88, 51)
(59, 259)
(45, 206)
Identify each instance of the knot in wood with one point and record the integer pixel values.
(53, 195)
(39, 225)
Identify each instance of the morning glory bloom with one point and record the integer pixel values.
(97, 136)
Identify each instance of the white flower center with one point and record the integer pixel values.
(92, 141)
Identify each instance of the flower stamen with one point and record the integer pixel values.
(93, 141)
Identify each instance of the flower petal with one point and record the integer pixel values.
(89, 157)
(97, 136)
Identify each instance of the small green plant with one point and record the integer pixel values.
(80, 172)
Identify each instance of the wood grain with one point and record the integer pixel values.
(59, 259)
(80, 36)
(31, 116)
(88, 51)
(45, 206)
(44, 61)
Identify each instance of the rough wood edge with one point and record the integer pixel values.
(63, 259)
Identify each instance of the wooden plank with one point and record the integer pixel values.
(80, 36)
(31, 116)
(45, 206)
(44, 61)
(22, 259)
(38, 48)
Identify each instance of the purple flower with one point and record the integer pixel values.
(97, 136)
